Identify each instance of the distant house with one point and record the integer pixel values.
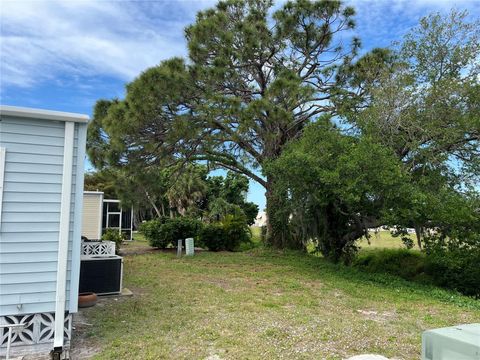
(92, 215)
(41, 193)
(261, 219)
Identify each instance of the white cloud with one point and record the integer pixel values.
(379, 22)
(44, 39)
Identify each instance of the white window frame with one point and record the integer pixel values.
(2, 176)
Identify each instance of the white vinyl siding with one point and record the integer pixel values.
(31, 214)
(92, 215)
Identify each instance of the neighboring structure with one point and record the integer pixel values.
(100, 214)
(92, 219)
(41, 178)
(261, 219)
(114, 216)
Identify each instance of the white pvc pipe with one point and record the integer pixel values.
(64, 233)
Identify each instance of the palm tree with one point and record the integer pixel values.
(187, 189)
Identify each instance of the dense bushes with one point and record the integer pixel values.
(405, 263)
(164, 232)
(458, 270)
(213, 237)
(225, 235)
(453, 257)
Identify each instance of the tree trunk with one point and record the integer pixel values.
(163, 209)
(418, 233)
(171, 207)
(278, 229)
(153, 204)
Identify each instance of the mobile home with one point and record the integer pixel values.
(100, 214)
(92, 215)
(41, 193)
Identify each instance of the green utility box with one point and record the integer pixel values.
(460, 342)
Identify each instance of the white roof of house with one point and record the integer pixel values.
(42, 114)
(88, 192)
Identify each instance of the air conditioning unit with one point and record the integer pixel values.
(460, 342)
(101, 274)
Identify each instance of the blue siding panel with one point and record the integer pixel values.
(24, 278)
(30, 258)
(31, 128)
(34, 158)
(21, 148)
(27, 308)
(29, 297)
(18, 268)
(32, 123)
(26, 217)
(41, 168)
(33, 177)
(33, 287)
(29, 207)
(31, 213)
(31, 228)
(26, 237)
(31, 187)
(20, 247)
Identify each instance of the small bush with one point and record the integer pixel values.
(227, 235)
(164, 232)
(213, 237)
(115, 236)
(151, 231)
(236, 232)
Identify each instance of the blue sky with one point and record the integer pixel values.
(64, 55)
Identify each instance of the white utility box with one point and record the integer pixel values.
(460, 342)
(189, 249)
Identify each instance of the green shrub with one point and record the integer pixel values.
(453, 261)
(151, 231)
(115, 236)
(455, 269)
(180, 228)
(236, 232)
(407, 264)
(227, 235)
(213, 237)
(164, 232)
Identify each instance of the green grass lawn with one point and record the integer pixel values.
(383, 239)
(263, 304)
(256, 234)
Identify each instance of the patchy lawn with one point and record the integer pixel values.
(384, 239)
(266, 305)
